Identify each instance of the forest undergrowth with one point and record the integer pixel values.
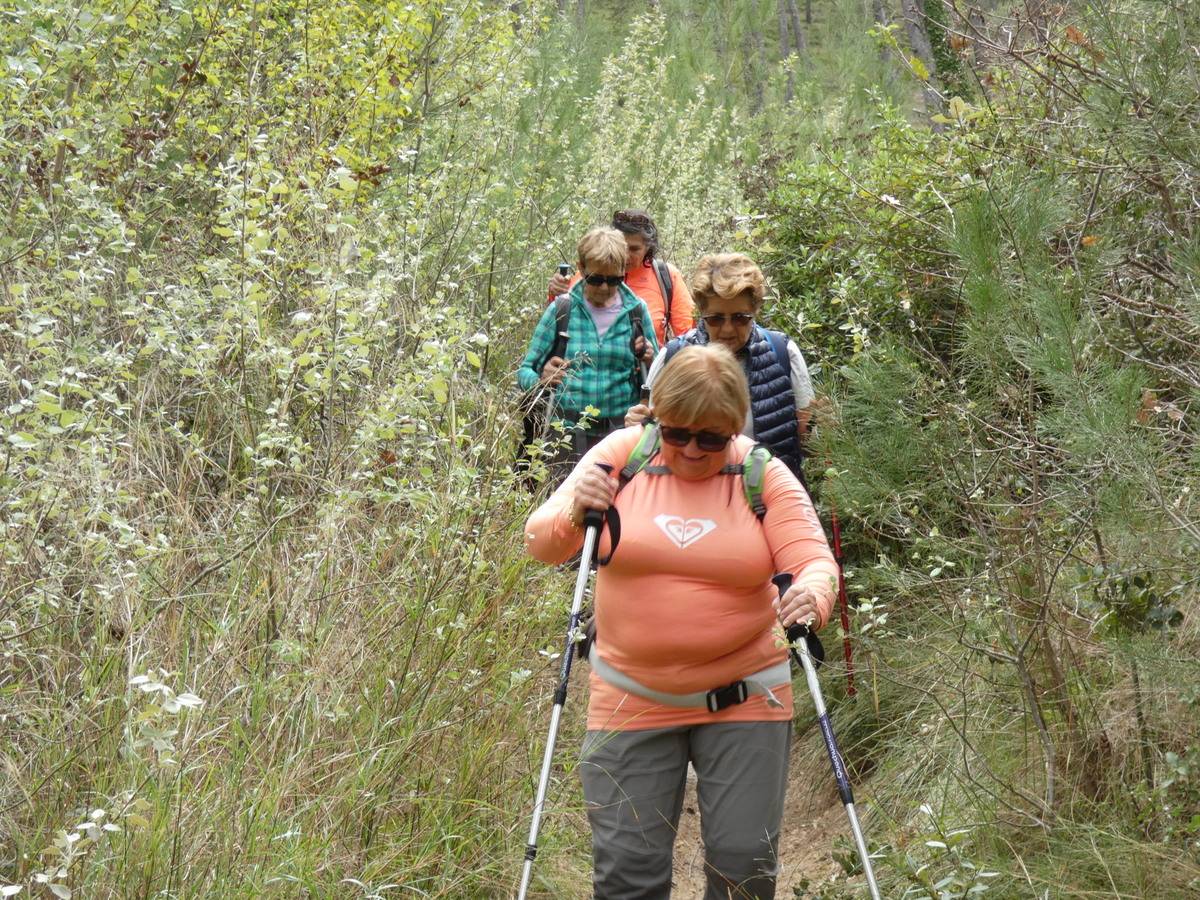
(266, 626)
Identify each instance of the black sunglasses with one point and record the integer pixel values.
(597, 280)
(719, 320)
(708, 441)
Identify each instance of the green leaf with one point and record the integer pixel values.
(23, 440)
(439, 388)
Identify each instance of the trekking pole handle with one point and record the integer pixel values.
(595, 517)
(796, 630)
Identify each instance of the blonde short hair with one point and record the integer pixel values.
(727, 275)
(603, 246)
(702, 384)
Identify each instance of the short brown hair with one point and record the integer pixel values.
(703, 383)
(726, 275)
(603, 246)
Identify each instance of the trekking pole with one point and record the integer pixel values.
(799, 636)
(592, 521)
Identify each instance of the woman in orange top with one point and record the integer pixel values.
(690, 662)
(642, 273)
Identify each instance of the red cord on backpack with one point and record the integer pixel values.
(843, 601)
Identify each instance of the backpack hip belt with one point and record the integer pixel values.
(719, 698)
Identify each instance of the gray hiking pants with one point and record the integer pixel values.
(633, 782)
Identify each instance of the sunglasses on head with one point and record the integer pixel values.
(597, 280)
(708, 441)
(718, 320)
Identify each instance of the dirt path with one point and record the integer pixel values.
(812, 817)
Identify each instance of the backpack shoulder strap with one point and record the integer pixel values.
(635, 320)
(754, 469)
(643, 451)
(779, 342)
(673, 346)
(641, 454)
(667, 287)
(638, 329)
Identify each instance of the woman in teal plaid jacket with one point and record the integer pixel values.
(610, 340)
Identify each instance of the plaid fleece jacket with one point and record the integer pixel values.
(601, 369)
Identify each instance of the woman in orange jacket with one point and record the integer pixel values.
(689, 663)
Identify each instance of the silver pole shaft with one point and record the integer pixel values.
(861, 843)
(814, 688)
(581, 580)
(539, 803)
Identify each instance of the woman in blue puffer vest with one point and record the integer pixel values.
(728, 290)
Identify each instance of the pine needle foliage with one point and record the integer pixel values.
(1010, 321)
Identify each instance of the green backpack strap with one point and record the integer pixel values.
(754, 469)
(643, 451)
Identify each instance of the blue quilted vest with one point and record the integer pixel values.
(772, 403)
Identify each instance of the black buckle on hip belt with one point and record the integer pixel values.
(730, 695)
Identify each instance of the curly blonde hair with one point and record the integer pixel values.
(702, 384)
(727, 275)
(602, 246)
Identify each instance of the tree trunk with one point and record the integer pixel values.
(977, 28)
(754, 57)
(918, 39)
(807, 12)
(879, 12)
(721, 32)
(799, 40)
(784, 52)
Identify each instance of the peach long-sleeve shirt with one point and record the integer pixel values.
(686, 602)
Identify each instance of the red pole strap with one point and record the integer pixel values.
(843, 601)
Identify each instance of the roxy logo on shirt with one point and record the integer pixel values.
(684, 532)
